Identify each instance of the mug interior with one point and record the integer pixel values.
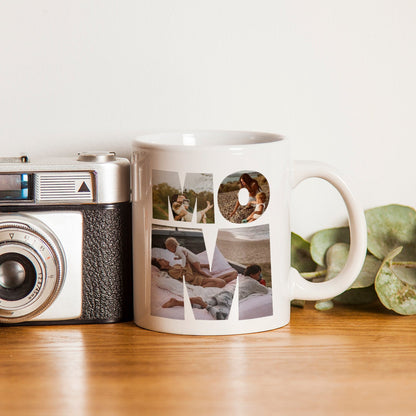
(208, 138)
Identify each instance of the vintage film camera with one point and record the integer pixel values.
(65, 239)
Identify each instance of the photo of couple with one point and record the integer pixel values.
(179, 258)
(243, 196)
(193, 203)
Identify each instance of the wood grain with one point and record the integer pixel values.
(339, 362)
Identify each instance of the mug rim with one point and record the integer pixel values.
(208, 138)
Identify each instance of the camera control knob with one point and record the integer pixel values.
(96, 156)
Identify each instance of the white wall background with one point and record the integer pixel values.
(337, 78)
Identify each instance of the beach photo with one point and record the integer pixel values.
(248, 249)
(243, 196)
(195, 203)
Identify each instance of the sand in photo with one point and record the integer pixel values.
(247, 246)
(228, 195)
(249, 249)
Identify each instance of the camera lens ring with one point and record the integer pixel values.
(17, 250)
(28, 237)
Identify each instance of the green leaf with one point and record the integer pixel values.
(301, 258)
(394, 293)
(324, 305)
(404, 270)
(336, 258)
(322, 240)
(389, 227)
(394, 253)
(406, 275)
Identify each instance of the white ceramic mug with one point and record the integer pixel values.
(211, 232)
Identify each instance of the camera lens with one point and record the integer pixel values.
(31, 267)
(17, 276)
(12, 274)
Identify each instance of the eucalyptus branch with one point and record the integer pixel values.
(384, 275)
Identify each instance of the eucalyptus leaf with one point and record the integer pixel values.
(322, 240)
(405, 274)
(324, 305)
(359, 296)
(404, 270)
(301, 258)
(395, 294)
(389, 227)
(336, 258)
(394, 253)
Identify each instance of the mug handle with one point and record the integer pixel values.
(300, 287)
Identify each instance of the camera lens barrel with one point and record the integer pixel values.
(31, 268)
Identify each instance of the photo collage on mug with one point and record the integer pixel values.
(179, 253)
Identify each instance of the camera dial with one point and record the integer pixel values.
(31, 268)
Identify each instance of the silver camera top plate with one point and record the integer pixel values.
(95, 177)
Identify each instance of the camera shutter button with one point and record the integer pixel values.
(96, 156)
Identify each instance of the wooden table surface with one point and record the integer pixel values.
(358, 361)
